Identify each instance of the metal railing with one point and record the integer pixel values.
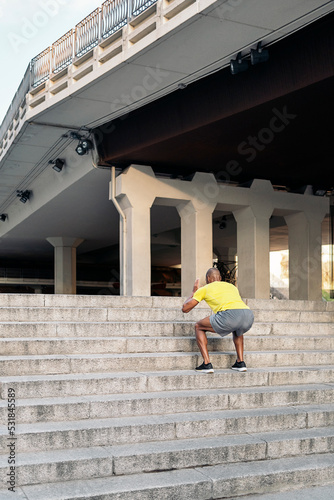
(62, 52)
(102, 23)
(138, 6)
(87, 33)
(97, 26)
(114, 15)
(41, 67)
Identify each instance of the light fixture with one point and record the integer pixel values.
(320, 192)
(84, 146)
(238, 65)
(3, 217)
(259, 55)
(23, 195)
(222, 222)
(75, 135)
(57, 164)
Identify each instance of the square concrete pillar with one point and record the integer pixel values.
(138, 250)
(196, 243)
(65, 264)
(253, 253)
(135, 195)
(305, 272)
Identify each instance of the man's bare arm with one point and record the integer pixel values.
(190, 303)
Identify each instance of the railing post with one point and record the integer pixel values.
(130, 4)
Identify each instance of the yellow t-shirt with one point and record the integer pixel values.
(220, 296)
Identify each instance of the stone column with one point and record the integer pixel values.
(135, 195)
(196, 242)
(65, 263)
(253, 252)
(138, 248)
(305, 273)
(253, 241)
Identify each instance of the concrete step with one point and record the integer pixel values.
(271, 475)
(104, 461)
(311, 493)
(156, 403)
(182, 454)
(58, 300)
(201, 483)
(85, 345)
(95, 329)
(44, 386)
(294, 316)
(90, 363)
(58, 314)
(61, 314)
(303, 329)
(149, 329)
(290, 305)
(46, 436)
(106, 391)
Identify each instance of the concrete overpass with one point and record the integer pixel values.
(142, 81)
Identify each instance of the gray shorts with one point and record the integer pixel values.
(232, 320)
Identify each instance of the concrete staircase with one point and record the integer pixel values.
(108, 405)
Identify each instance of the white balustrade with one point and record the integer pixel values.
(62, 52)
(96, 27)
(87, 33)
(40, 67)
(114, 15)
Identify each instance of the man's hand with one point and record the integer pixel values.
(190, 303)
(196, 285)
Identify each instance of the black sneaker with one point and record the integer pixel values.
(240, 366)
(205, 368)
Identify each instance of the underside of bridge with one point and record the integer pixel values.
(272, 121)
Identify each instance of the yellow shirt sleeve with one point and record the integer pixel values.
(200, 294)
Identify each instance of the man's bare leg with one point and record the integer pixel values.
(239, 346)
(201, 327)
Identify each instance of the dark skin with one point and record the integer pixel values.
(204, 324)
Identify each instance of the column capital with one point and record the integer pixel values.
(309, 216)
(195, 205)
(65, 263)
(258, 211)
(136, 187)
(259, 201)
(263, 186)
(60, 241)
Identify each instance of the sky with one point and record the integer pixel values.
(27, 27)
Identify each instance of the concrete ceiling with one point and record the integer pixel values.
(274, 120)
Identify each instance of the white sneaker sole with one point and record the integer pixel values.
(244, 369)
(205, 371)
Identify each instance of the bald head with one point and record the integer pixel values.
(213, 274)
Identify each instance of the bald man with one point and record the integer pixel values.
(230, 315)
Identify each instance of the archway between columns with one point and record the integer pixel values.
(165, 251)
